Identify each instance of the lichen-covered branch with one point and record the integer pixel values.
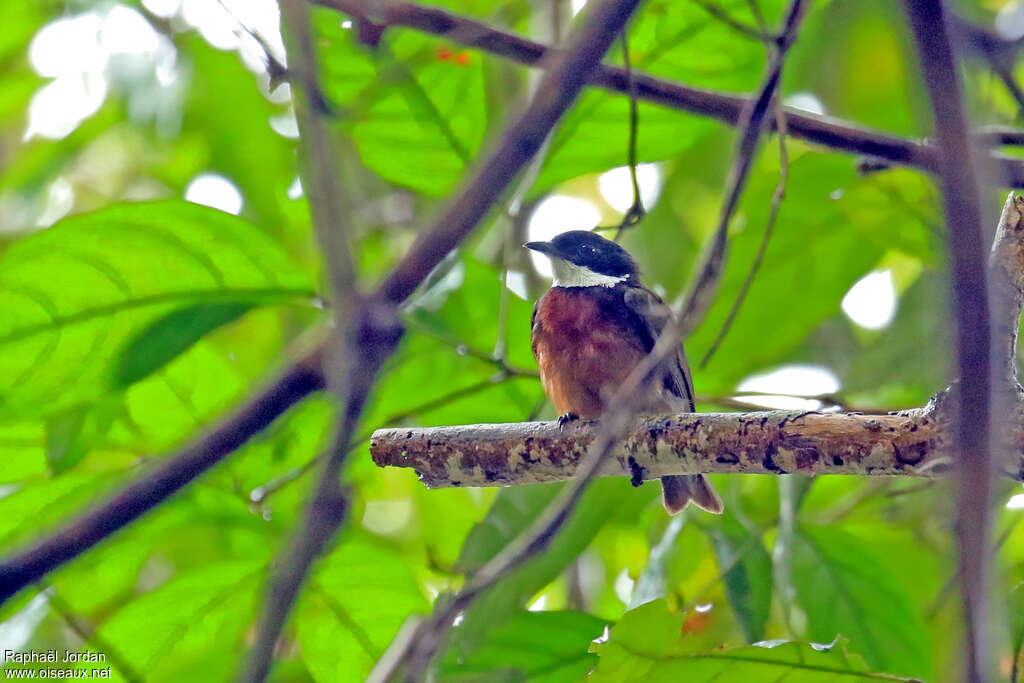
(910, 443)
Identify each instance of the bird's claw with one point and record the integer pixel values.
(566, 418)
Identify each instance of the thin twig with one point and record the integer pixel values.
(1018, 647)
(999, 53)
(373, 336)
(962, 202)
(732, 22)
(636, 212)
(727, 108)
(276, 69)
(947, 588)
(773, 214)
(701, 292)
(87, 634)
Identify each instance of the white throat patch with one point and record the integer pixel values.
(568, 274)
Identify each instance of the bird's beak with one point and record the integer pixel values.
(542, 247)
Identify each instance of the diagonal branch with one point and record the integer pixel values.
(723, 107)
(348, 373)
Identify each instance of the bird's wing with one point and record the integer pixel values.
(654, 314)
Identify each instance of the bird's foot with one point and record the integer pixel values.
(566, 418)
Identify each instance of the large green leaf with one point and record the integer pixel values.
(191, 627)
(801, 257)
(415, 104)
(230, 118)
(646, 644)
(359, 597)
(79, 296)
(840, 587)
(548, 647)
(765, 662)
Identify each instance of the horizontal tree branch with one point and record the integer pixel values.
(724, 107)
(915, 442)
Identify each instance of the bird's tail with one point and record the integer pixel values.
(679, 490)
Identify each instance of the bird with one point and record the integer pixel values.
(592, 327)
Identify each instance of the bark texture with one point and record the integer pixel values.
(910, 443)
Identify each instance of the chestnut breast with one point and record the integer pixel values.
(586, 341)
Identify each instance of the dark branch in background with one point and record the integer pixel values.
(349, 366)
(701, 293)
(720, 106)
(962, 203)
(296, 383)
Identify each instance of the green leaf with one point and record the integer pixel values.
(361, 594)
(840, 587)
(231, 117)
(531, 646)
(23, 445)
(594, 137)
(812, 226)
(78, 296)
(190, 626)
(647, 645)
(64, 447)
(419, 122)
(766, 661)
(747, 571)
(170, 336)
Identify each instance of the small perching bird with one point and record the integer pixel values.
(589, 331)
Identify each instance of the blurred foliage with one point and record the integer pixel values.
(133, 319)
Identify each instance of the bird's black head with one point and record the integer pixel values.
(589, 251)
